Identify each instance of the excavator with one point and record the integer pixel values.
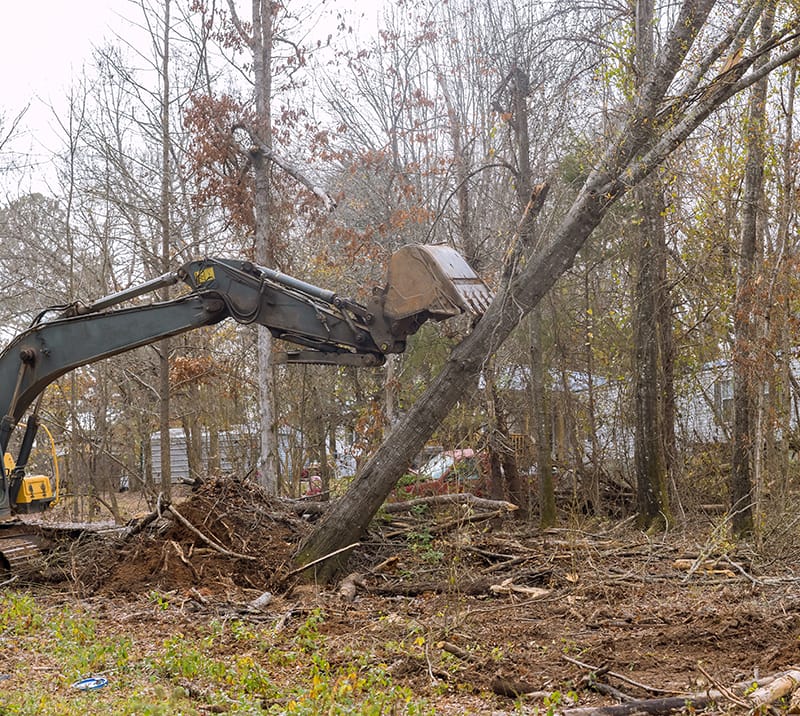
(424, 282)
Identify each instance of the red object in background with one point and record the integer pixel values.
(451, 472)
(314, 486)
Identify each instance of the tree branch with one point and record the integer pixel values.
(258, 147)
(237, 23)
(210, 542)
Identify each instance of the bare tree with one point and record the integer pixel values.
(652, 330)
(165, 206)
(678, 93)
(746, 378)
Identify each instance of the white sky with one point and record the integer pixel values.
(44, 44)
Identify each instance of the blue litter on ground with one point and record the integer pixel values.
(91, 683)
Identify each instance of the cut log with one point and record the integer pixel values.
(349, 586)
(474, 588)
(460, 498)
(315, 507)
(511, 688)
(455, 650)
(789, 681)
(507, 586)
(653, 707)
(783, 684)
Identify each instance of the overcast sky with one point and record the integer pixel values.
(44, 44)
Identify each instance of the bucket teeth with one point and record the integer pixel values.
(475, 294)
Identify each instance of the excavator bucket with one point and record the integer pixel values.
(433, 279)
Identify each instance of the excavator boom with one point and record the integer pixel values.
(423, 283)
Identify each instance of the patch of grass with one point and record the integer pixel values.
(236, 665)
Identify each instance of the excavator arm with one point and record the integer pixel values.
(424, 283)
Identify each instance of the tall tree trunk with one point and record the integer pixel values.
(595, 458)
(264, 254)
(73, 133)
(780, 391)
(164, 220)
(540, 413)
(746, 380)
(650, 376)
(530, 200)
(649, 458)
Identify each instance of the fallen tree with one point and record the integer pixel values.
(457, 498)
(770, 689)
(678, 94)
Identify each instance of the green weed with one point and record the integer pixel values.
(239, 666)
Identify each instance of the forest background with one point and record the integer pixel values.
(657, 374)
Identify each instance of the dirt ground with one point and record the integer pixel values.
(498, 609)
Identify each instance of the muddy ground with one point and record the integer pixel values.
(498, 608)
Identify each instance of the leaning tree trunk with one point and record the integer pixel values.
(633, 154)
(348, 518)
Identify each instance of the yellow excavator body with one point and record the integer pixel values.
(35, 491)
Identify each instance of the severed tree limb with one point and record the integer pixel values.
(460, 498)
(783, 684)
(514, 689)
(454, 524)
(726, 692)
(183, 558)
(443, 527)
(136, 526)
(607, 690)
(478, 587)
(210, 542)
(590, 681)
(621, 677)
(653, 707)
(455, 650)
(764, 695)
(324, 557)
(316, 507)
(303, 506)
(738, 567)
(507, 586)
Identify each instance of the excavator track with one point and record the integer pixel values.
(19, 554)
(20, 547)
(24, 544)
